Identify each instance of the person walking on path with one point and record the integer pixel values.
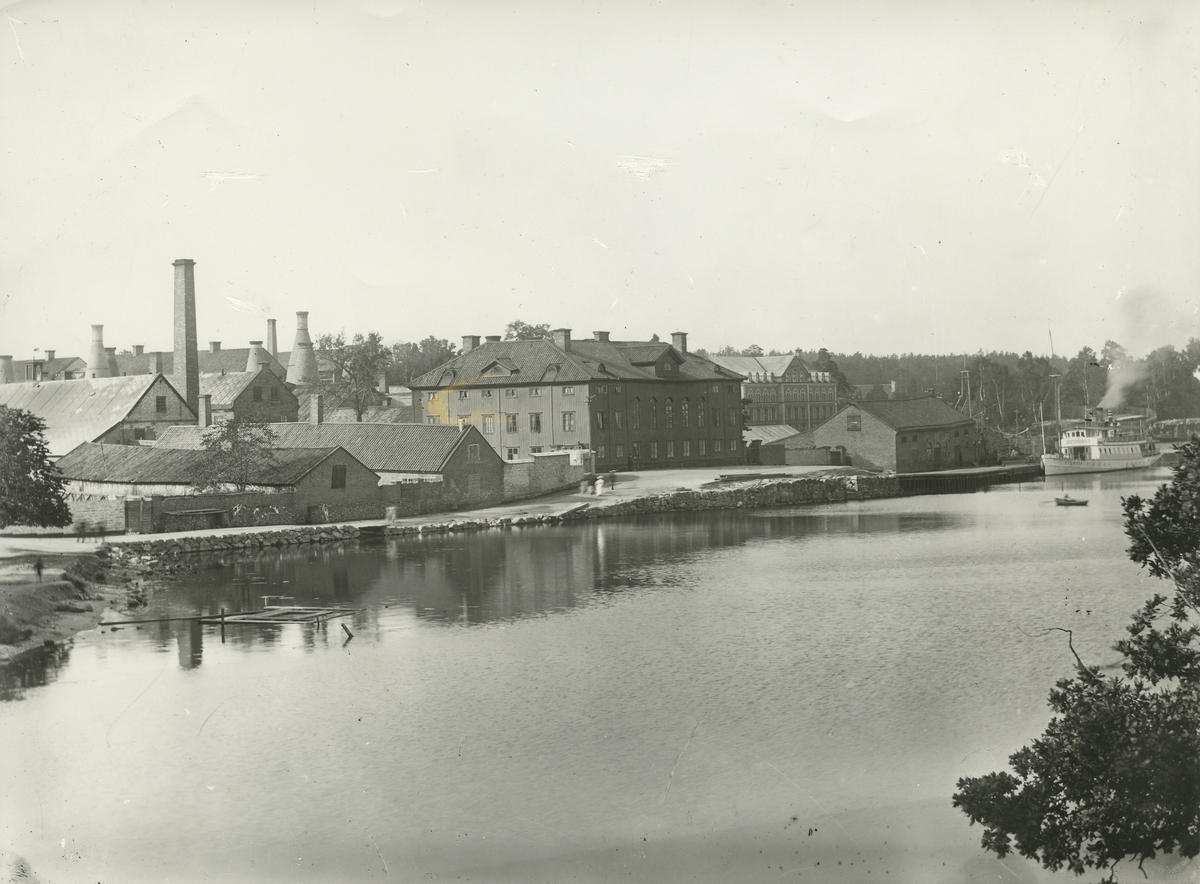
(81, 530)
(38, 567)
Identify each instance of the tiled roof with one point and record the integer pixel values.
(529, 362)
(384, 448)
(902, 414)
(50, 367)
(227, 361)
(769, 433)
(80, 410)
(225, 388)
(145, 465)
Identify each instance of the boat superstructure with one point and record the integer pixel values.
(1099, 450)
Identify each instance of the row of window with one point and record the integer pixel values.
(916, 438)
(653, 448)
(569, 390)
(604, 420)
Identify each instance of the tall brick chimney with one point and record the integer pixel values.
(97, 361)
(272, 344)
(204, 411)
(158, 362)
(302, 364)
(186, 370)
(470, 342)
(316, 409)
(562, 339)
(679, 341)
(6, 370)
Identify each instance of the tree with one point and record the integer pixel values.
(523, 331)
(753, 350)
(239, 453)
(359, 363)
(31, 490)
(411, 360)
(1116, 774)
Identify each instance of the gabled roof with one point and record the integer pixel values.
(908, 414)
(530, 362)
(384, 448)
(758, 365)
(768, 433)
(226, 388)
(146, 465)
(50, 367)
(81, 410)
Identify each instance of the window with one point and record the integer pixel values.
(716, 446)
(853, 421)
(653, 414)
(462, 394)
(535, 391)
(568, 421)
(603, 388)
(511, 453)
(568, 391)
(338, 478)
(465, 419)
(683, 412)
(473, 453)
(654, 451)
(903, 439)
(160, 404)
(669, 413)
(620, 452)
(510, 393)
(635, 417)
(733, 417)
(716, 417)
(635, 450)
(535, 449)
(618, 420)
(929, 452)
(139, 433)
(535, 422)
(700, 446)
(716, 388)
(489, 424)
(733, 444)
(256, 394)
(274, 394)
(510, 423)
(430, 419)
(700, 412)
(687, 447)
(599, 420)
(486, 394)
(616, 388)
(601, 452)
(670, 448)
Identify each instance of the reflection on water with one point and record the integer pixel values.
(512, 697)
(34, 668)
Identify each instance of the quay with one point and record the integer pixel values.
(967, 480)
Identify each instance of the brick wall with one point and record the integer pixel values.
(145, 421)
(873, 446)
(543, 474)
(469, 483)
(318, 501)
(285, 410)
(413, 498)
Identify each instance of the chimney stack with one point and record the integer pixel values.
(600, 336)
(257, 357)
(214, 346)
(272, 344)
(158, 362)
(316, 409)
(204, 411)
(186, 369)
(470, 342)
(679, 341)
(492, 339)
(139, 349)
(110, 356)
(562, 339)
(6, 370)
(302, 364)
(49, 355)
(97, 363)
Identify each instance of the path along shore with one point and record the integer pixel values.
(81, 581)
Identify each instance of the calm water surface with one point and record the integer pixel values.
(770, 695)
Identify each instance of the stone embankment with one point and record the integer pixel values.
(750, 495)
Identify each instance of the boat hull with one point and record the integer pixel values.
(1059, 466)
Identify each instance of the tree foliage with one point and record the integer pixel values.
(523, 331)
(359, 364)
(239, 453)
(1116, 775)
(31, 490)
(411, 360)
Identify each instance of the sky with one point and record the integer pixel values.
(876, 177)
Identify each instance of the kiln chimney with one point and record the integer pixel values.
(110, 356)
(302, 364)
(272, 344)
(97, 363)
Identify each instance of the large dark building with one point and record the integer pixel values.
(636, 404)
(783, 390)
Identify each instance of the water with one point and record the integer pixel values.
(769, 695)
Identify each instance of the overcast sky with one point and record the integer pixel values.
(880, 177)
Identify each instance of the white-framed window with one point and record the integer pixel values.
(700, 447)
(431, 419)
(635, 449)
(654, 450)
(603, 388)
(486, 394)
(489, 424)
(535, 422)
(716, 388)
(600, 417)
(670, 448)
(687, 447)
(616, 388)
(568, 391)
(620, 452)
(512, 453)
(510, 393)
(618, 420)
(568, 421)
(716, 446)
(462, 394)
(601, 452)
(535, 391)
(535, 449)
(510, 423)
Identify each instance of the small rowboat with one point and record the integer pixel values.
(1068, 500)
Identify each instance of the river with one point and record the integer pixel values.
(735, 696)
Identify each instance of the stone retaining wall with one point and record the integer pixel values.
(766, 493)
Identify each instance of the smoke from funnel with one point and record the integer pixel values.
(1121, 378)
